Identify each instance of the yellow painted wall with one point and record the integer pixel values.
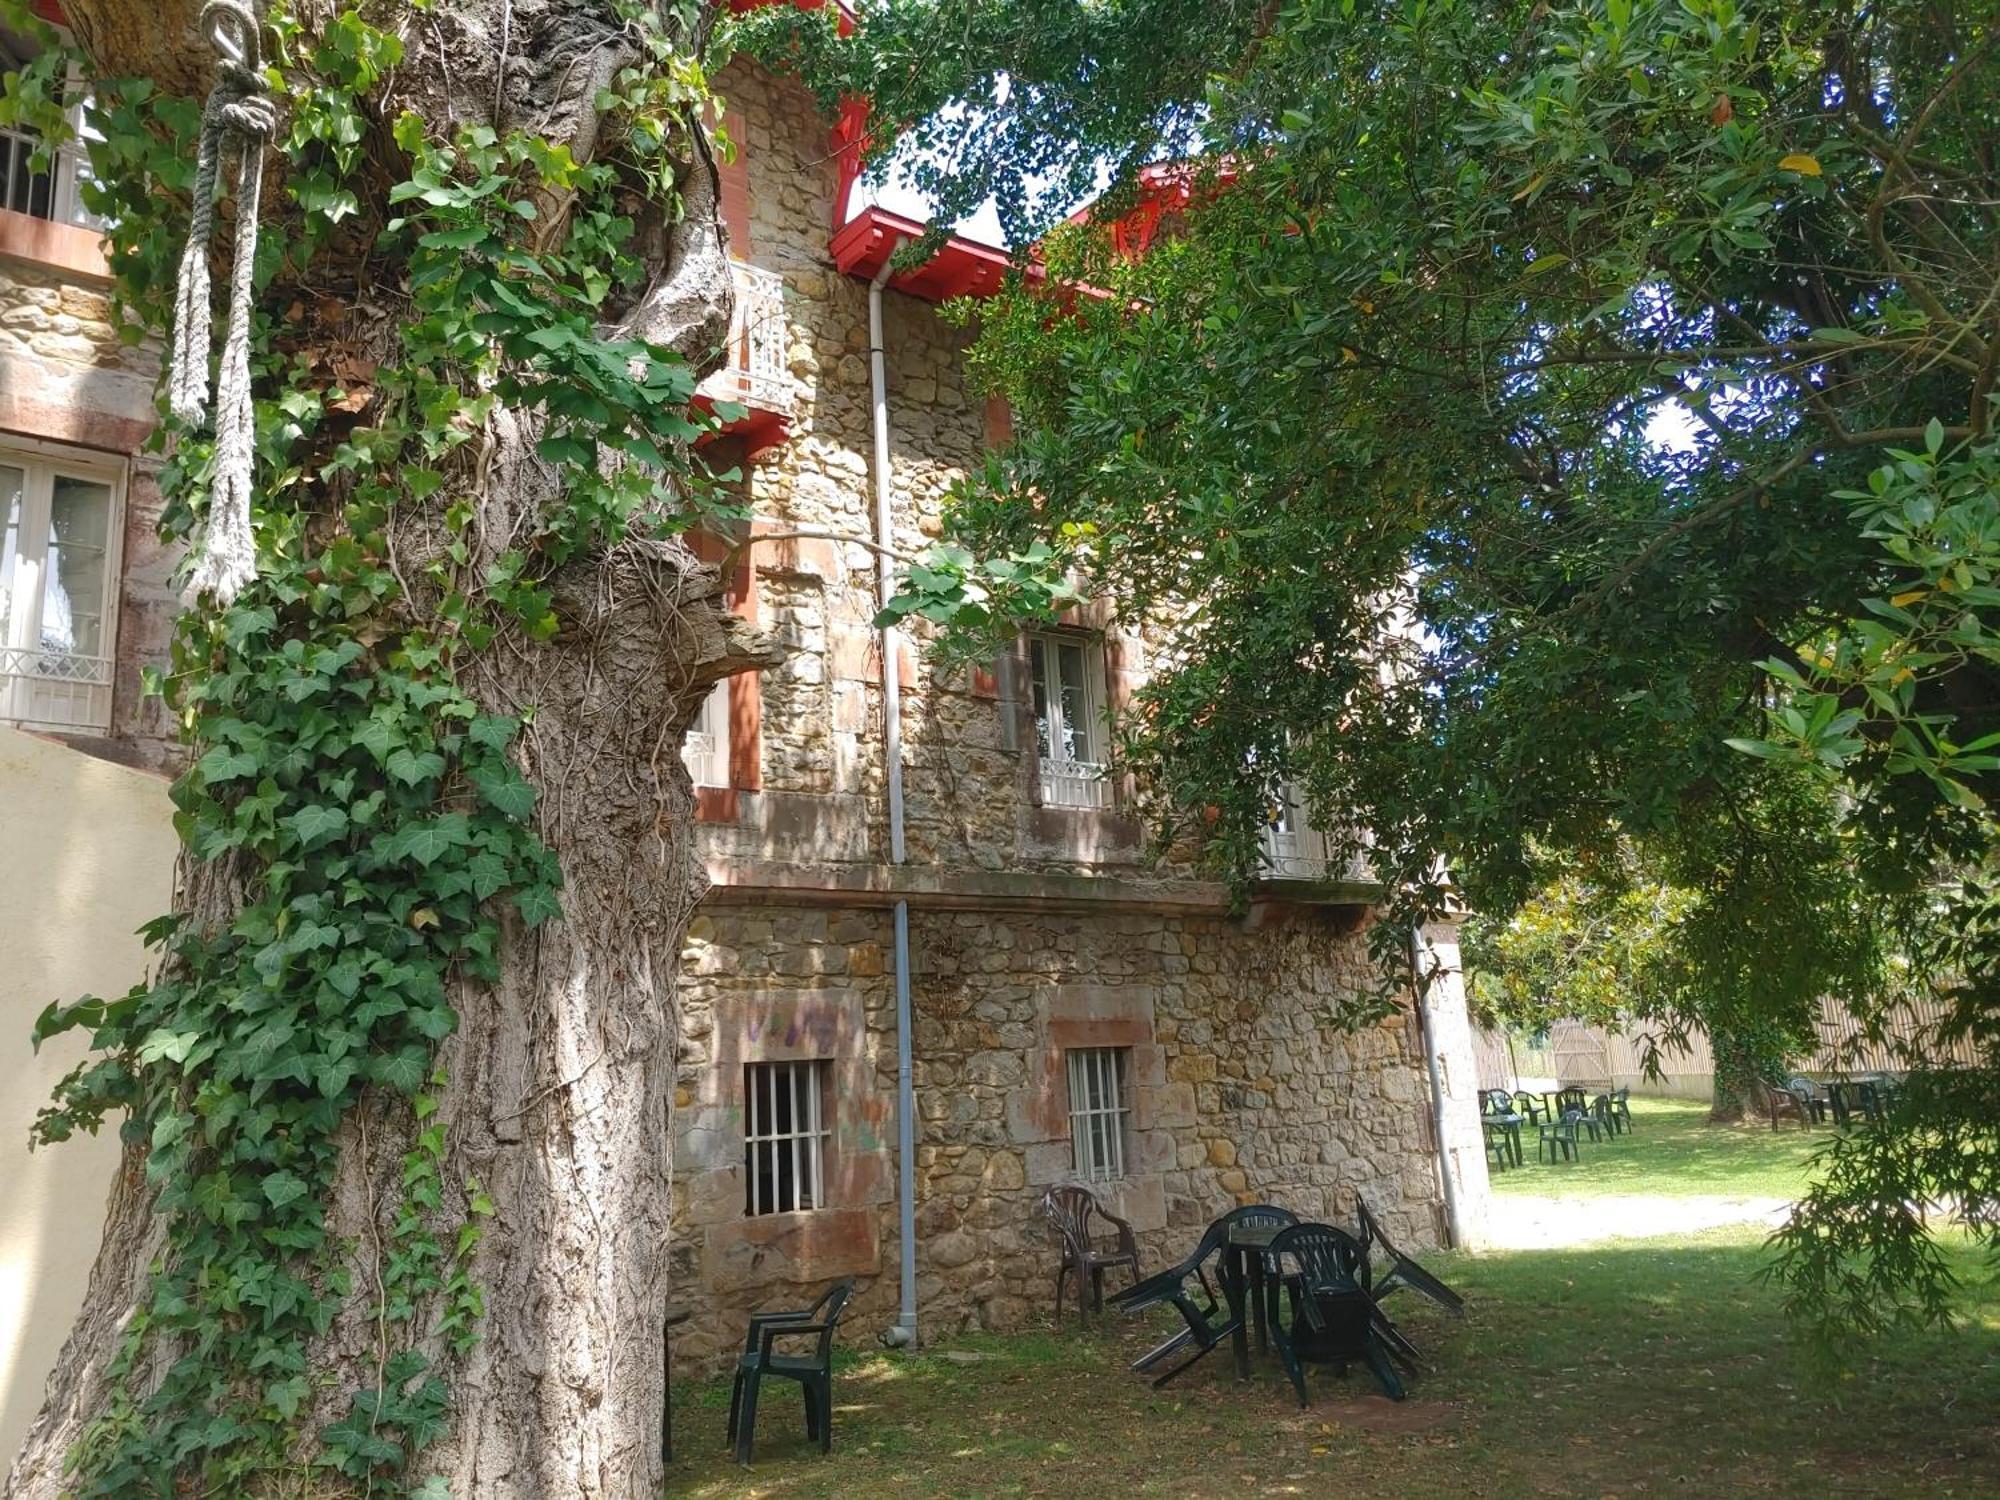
(86, 855)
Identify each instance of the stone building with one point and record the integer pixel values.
(1067, 1009)
(1076, 1012)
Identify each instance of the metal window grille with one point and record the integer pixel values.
(784, 1140)
(1097, 1112)
(706, 752)
(1068, 675)
(48, 189)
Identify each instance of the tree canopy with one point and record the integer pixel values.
(1552, 429)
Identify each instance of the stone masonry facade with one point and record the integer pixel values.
(1035, 929)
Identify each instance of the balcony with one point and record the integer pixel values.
(757, 376)
(1293, 848)
(55, 690)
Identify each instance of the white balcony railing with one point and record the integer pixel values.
(1074, 783)
(55, 689)
(1293, 848)
(758, 373)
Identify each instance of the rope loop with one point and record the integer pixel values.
(241, 111)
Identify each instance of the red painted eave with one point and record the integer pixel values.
(961, 268)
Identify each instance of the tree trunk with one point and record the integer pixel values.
(559, 1078)
(1738, 1067)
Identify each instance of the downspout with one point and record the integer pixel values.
(904, 1333)
(1454, 1221)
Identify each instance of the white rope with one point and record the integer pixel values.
(239, 110)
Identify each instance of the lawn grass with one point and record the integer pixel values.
(1673, 1151)
(1631, 1368)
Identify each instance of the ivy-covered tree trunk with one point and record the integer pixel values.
(1738, 1067)
(394, 1210)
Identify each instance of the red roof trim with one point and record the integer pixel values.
(961, 268)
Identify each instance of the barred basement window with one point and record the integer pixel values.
(1097, 1112)
(784, 1137)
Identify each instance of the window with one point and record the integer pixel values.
(58, 581)
(1068, 673)
(1293, 847)
(784, 1137)
(51, 191)
(1097, 1112)
(706, 752)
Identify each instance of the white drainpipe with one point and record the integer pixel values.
(905, 1331)
(1454, 1219)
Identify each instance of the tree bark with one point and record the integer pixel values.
(560, 1076)
(1738, 1067)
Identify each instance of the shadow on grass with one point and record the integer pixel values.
(1626, 1369)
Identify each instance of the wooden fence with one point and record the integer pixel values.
(1573, 1052)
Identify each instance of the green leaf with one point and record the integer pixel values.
(505, 789)
(414, 768)
(281, 1188)
(402, 1071)
(316, 824)
(537, 904)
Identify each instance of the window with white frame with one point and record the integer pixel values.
(39, 181)
(784, 1137)
(1294, 847)
(1097, 1112)
(1068, 676)
(706, 751)
(59, 530)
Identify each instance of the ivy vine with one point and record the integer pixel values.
(370, 809)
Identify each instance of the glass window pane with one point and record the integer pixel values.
(74, 577)
(12, 486)
(1038, 657)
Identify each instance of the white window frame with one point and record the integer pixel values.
(769, 1144)
(1097, 1112)
(1078, 779)
(1294, 846)
(64, 691)
(705, 752)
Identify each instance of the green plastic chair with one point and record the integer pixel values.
(813, 1372)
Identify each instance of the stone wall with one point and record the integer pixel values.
(1242, 1087)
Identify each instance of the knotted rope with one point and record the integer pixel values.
(241, 114)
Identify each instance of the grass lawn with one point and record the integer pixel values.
(1632, 1368)
(1673, 1151)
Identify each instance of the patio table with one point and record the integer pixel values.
(1511, 1122)
(1243, 1279)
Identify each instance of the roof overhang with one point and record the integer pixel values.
(961, 268)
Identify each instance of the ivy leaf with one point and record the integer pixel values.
(281, 1188)
(537, 904)
(430, 841)
(413, 768)
(379, 737)
(489, 873)
(223, 764)
(316, 824)
(506, 789)
(495, 732)
(402, 1071)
